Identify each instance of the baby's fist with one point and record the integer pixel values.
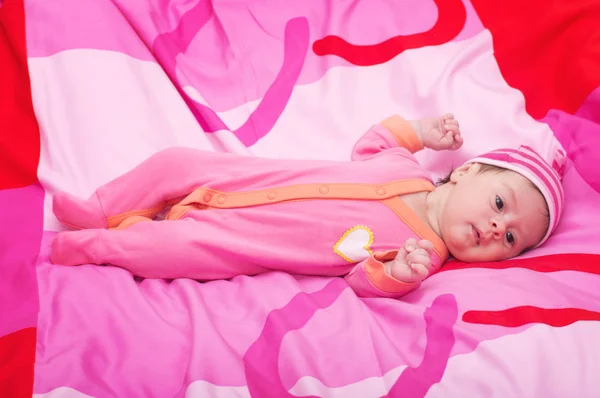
(440, 133)
(413, 261)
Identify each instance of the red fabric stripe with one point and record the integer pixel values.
(19, 158)
(589, 263)
(17, 356)
(452, 16)
(519, 316)
(548, 52)
(20, 138)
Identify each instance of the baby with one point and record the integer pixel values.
(377, 220)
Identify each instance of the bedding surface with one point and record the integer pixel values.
(89, 89)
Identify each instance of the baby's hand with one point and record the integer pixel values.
(413, 261)
(440, 133)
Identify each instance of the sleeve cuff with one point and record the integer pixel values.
(375, 271)
(403, 132)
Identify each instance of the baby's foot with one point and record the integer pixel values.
(77, 213)
(73, 247)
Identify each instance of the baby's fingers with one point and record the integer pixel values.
(447, 140)
(458, 141)
(426, 245)
(451, 127)
(401, 256)
(420, 270)
(404, 272)
(452, 123)
(452, 137)
(410, 245)
(420, 256)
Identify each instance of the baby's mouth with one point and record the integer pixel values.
(476, 234)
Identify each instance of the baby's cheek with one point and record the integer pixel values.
(492, 253)
(469, 254)
(457, 242)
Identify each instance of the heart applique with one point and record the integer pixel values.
(355, 244)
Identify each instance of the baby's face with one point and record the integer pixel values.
(492, 216)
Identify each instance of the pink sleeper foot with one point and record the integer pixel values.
(73, 247)
(77, 213)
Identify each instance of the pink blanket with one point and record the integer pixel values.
(113, 82)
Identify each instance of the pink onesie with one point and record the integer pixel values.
(231, 215)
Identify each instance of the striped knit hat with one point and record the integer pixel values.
(536, 169)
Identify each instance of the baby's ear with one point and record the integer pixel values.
(464, 170)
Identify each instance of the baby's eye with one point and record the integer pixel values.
(510, 238)
(499, 203)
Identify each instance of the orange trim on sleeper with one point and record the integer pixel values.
(114, 222)
(405, 135)
(128, 222)
(227, 200)
(178, 211)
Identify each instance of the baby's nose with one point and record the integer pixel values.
(498, 228)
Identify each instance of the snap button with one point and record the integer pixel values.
(324, 189)
(221, 199)
(271, 195)
(207, 197)
(380, 191)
